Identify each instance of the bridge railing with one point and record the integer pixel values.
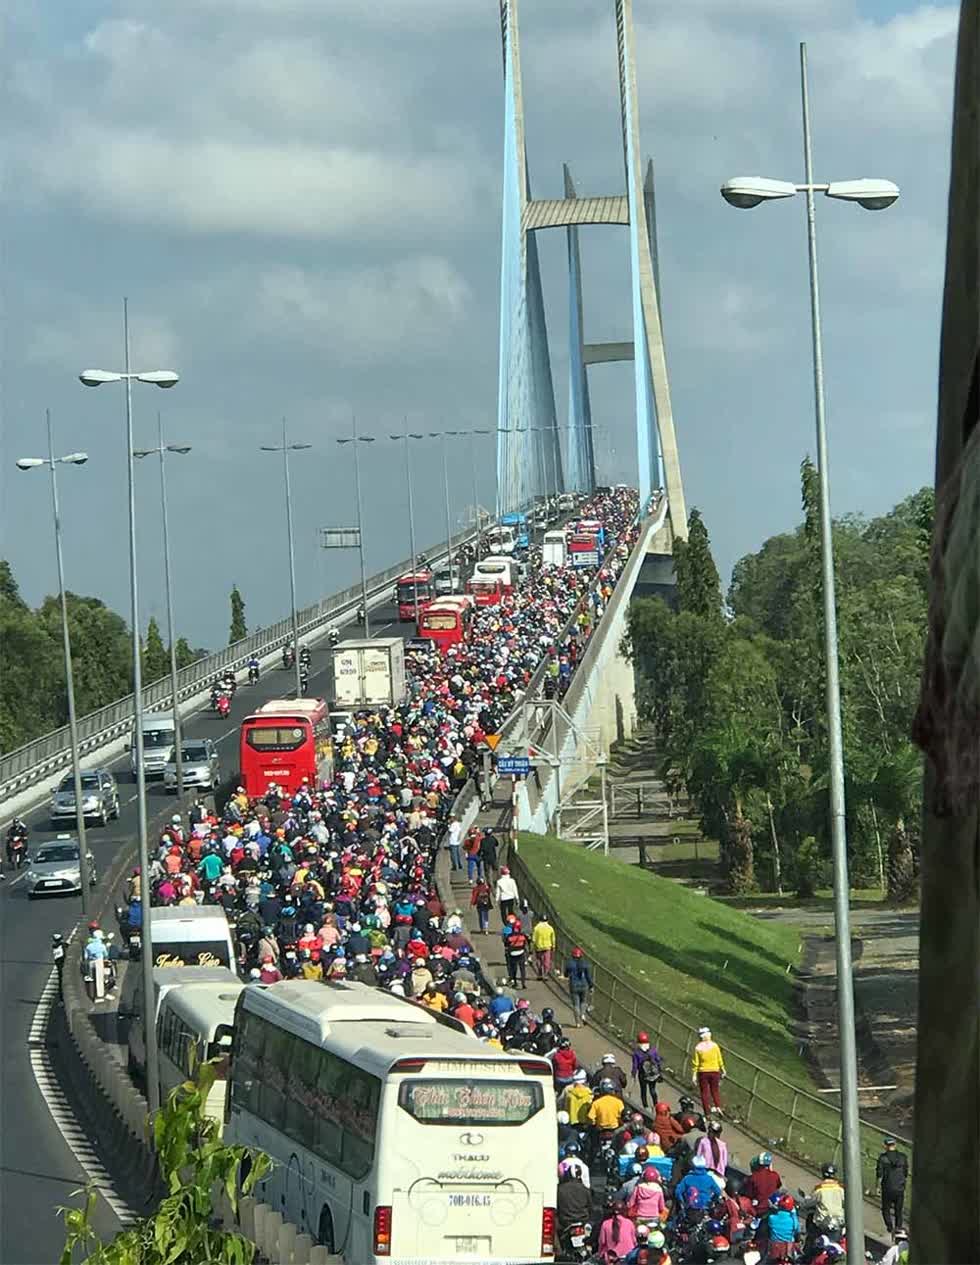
(41, 757)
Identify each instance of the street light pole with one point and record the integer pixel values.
(163, 378)
(874, 195)
(850, 1112)
(162, 449)
(286, 448)
(445, 478)
(52, 462)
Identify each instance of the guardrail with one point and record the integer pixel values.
(783, 1116)
(37, 759)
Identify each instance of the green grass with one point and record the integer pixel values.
(695, 956)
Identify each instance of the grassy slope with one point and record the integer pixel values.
(699, 958)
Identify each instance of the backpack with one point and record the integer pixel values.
(516, 942)
(648, 1071)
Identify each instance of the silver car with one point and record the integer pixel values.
(200, 760)
(55, 867)
(100, 798)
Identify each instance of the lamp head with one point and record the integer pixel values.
(746, 192)
(75, 459)
(162, 378)
(873, 195)
(28, 463)
(96, 377)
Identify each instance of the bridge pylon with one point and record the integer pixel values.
(526, 399)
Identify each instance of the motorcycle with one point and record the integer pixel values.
(304, 656)
(333, 636)
(229, 684)
(253, 674)
(288, 657)
(222, 705)
(17, 851)
(574, 1242)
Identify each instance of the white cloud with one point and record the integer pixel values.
(71, 333)
(369, 315)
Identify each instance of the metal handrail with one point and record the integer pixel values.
(37, 758)
(784, 1116)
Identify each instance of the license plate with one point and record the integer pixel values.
(578, 1240)
(472, 1246)
(51, 882)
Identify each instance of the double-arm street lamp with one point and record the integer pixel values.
(286, 448)
(53, 462)
(161, 378)
(404, 437)
(874, 195)
(161, 451)
(355, 439)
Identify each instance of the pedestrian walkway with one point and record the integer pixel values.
(590, 1044)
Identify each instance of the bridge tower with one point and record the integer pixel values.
(526, 400)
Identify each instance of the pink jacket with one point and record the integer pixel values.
(621, 1246)
(647, 1202)
(704, 1149)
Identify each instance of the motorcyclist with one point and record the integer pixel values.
(58, 953)
(253, 669)
(828, 1197)
(333, 634)
(288, 656)
(574, 1203)
(16, 840)
(304, 678)
(898, 1253)
(782, 1229)
(573, 1162)
(699, 1189)
(762, 1182)
(304, 655)
(608, 1070)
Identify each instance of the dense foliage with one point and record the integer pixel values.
(237, 630)
(195, 1165)
(737, 695)
(33, 699)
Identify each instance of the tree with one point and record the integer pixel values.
(185, 655)
(156, 660)
(237, 630)
(698, 585)
(194, 1163)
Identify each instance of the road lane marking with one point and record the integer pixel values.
(59, 1108)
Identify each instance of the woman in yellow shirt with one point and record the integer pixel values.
(707, 1070)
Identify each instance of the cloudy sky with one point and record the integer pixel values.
(301, 200)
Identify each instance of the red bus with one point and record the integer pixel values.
(411, 588)
(485, 592)
(285, 741)
(445, 621)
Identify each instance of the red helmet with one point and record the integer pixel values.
(787, 1203)
(576, 953)
(643, 1038)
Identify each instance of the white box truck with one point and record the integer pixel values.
(158, 742)
(368, 673)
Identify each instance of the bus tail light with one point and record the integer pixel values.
(409, 1065)
(547, 1231)
(382, 1230)
(536, 1067)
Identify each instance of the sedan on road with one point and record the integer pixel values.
(200, 760)
(100, 798)
(56, 868)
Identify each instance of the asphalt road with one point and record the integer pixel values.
(38, 1171)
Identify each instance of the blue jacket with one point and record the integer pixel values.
(783, 1226)
(697, 1190)
(579, 974)
(501, 1005)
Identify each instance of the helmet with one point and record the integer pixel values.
(714, 1128)
(548, 1015)
(650, 1174)
(829, 1170)
(720, 1242)
(643, 1038)
(699, 1162)
(608, 1059)
(573, 1148)
(685, 1103)
(901, 1235)
(734, 1186)
(580, 1076)
(715, 1226)
(835, 1252)
(576, 953)
(562, 1117)
(564, 1044)
(787, 1203)
(607, 1087)
(657, 1239)
(765, 1159)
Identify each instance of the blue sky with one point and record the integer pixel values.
(302, 202)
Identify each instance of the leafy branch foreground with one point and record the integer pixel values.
(194, 1165)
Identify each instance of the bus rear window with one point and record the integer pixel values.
(274, 738)
(470, 1102)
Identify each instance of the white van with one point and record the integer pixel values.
(195, 1023)
(158, 740)
(553, 549)
(195, 936)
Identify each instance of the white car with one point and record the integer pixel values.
(56, 867)
(200, 761)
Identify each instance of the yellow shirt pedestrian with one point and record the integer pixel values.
(543, 936)
(578, 1100)
(606, 1112)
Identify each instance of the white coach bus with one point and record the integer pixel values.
(395, 1136)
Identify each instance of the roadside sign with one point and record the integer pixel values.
(514, 766)
(491, 740)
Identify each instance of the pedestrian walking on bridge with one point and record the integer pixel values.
(579, 976)
(707, 1070)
